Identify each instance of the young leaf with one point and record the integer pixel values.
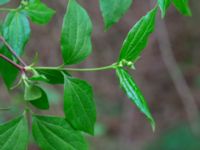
(137, 38)
(79, 106)
(76, 34)
(164, 4)
(183, 7)
(32, 92)
(14, 134)
(2, 2)
(38, 12)
(42, 102)
(16, 31)
(113, 10)
(132, 91)
(52, 133)
(50, 76)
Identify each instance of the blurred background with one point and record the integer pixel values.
(172, 93)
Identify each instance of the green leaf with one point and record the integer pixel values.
(113, 10)
(16, 31)
(52, 133)
(2, 2)
(7, 71)
(76, 34)
(79, 106)
(50, 76)
(183, 7)
(38, 12)
(137, 38)
(133, 92)
(164, 4)
(42, 102)
(32, 92)
(14, 134)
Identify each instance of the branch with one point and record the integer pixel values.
(110, 67)
(22, 69)
(12, 51)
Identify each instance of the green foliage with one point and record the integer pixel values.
(49, 76)
(38, 12)
(164, 4)
(32, 92)
(8, 75)
(113, 10)
(137, 38)
(41, 102)
(132, 91)
(14, 134)
(16, 31)
(183, 7)
(76, 34)
(52, 133)
(79, 106)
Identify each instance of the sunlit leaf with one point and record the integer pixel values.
(134, 94)
(76, 34)
(137, 38)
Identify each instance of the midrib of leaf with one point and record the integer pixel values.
(115, 6)
(81, 50)
(81, 102)
(70, 32)
(85, 41)
(128, 82)
(11, 134)
(140, 39)
(142, 104)
(76, 34)
(54, 134)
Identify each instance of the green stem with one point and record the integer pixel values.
(113, 66)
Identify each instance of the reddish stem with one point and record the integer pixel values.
(12, 51)
(21, 68)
